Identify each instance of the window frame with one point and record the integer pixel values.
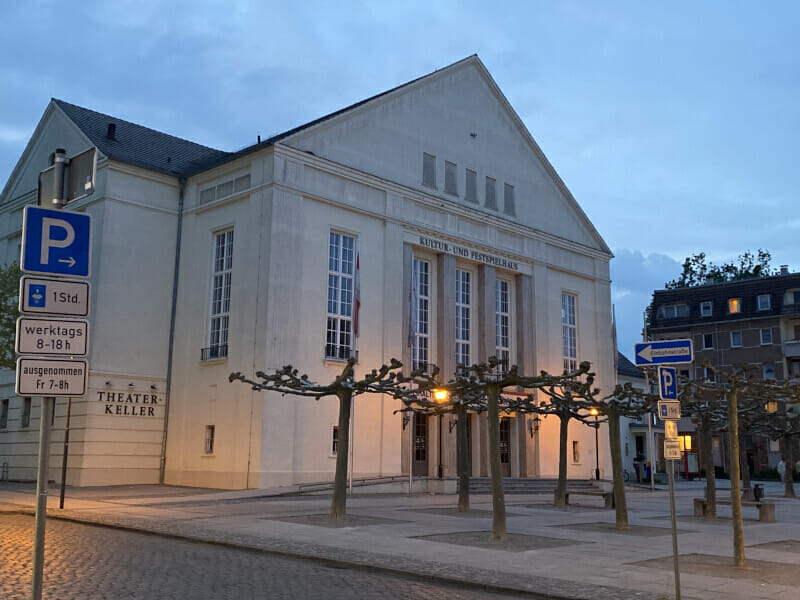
(509, 200)
(758, 302)
(711, 337)
(739, 333)
(27, 409)
(4, 408)
(490, 199)
(209, 440)
(429, 160)
(450, 178)
(422, 339)
(335, 348)
(735, 302)
(502, 322)
(761, 336)
(764, 369)
(219, 309)
(710, 305)
(569, 331)
(463, 316)
(576, 452)
(333, 448)
(471, 186)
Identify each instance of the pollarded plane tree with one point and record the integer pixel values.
(625, 401)
(459, 401)
(782, 426)
(386, 380)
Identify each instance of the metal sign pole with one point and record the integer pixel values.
(41, 495)
(66, 453)
(411, 440)
(674, 530)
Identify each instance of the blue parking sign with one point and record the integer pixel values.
(668, 383)
(56, 242)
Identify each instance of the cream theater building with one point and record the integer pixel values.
(432, 199)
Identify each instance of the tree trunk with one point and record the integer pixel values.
(736, 497)
(462, 449)
(615, 444)
(788, 475)
(560, 496)
(339, 499)
(498, 499)
(747, 488)
(707, 448)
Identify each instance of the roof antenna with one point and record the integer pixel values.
(112, 131)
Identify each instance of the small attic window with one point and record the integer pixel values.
(491, 194)
(428, 170)
(472, 187)
(111, 132)
(450, 186)
(509, 207)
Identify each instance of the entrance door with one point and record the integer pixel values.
(420, 445)
(505, 453)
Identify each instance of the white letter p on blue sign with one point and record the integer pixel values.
(668, 383)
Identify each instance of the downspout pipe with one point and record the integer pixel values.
(173, 310)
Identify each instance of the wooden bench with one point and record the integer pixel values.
(766, 510)
(608, 497)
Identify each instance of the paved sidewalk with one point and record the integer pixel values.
(553, 553)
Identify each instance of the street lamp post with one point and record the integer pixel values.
(595, 412)
(440, 396)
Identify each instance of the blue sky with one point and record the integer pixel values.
(675, 125)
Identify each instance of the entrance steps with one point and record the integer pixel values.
(527, 485)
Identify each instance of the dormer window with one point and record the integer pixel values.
(673, 311)
(734, 305)
(706, 308)
(763, 302)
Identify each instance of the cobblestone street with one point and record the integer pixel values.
(90, 562)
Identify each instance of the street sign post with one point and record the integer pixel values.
(671, 430)
(672, 352)
(56, 242)
(668, 383)
(48, 296)
(57, 337)
(672, 450)
(669, 410)
(51, 377)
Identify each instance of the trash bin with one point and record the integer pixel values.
(647, 471)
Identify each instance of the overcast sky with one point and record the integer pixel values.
(675, 125)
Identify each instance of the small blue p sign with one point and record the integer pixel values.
(668, 383)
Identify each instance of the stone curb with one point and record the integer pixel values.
(420, 572)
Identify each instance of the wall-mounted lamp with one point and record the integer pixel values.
(534, 424)
(771, 406)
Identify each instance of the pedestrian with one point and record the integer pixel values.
(782, 469)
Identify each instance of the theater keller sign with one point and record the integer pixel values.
(129, 404)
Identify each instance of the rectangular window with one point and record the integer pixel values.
(4, 414)
(334, 439)
(708, 341)
(768, 372)
(766, 336)
(796, 297)
(763, 302)
(421, 349)
(569, 332)
(26, 413)
(209, 440)
(490, 200)
(736, 339)
(734, 305)
(708, 374)
(463, 317)
(673, 311)
(576, 451)
(429, 170)
(509, 206)
(220, 296)
(450, 186)
(471, 186)
(706, 308)
(341, 269)
(502, 322)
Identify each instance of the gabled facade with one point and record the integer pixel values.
(433, 197)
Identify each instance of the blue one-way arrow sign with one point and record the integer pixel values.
(56, 242)
(673, 352)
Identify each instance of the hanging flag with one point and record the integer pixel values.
(357, 294)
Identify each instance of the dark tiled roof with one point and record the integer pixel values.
(150, 149)
(626, 368)
(140, 146)
(719, 293)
